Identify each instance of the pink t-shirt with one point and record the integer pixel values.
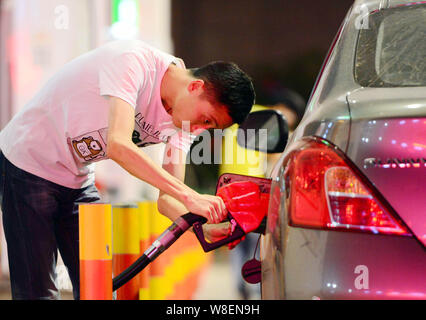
(63, 130)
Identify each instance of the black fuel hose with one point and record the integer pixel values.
(163, 242)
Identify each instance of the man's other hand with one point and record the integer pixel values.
(211, 207)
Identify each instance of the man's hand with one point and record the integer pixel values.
(211, 207)
(216, 232)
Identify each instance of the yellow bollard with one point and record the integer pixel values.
(125, 247)
(145, 208)
(175, 274)
(186, 268)
(95, 242)
(160, 287)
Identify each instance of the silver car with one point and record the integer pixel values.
(347, 210)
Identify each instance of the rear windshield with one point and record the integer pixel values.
(391, 49)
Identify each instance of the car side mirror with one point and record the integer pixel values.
(265, 130)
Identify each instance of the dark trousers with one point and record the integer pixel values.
(40, 218)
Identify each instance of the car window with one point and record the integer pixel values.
(391, 51)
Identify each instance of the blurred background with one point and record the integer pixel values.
(279, 43)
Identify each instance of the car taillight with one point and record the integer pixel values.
(327, 191)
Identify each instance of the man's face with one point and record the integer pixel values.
(199, 113)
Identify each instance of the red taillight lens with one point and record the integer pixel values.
(325, 192)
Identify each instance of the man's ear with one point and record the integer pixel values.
(196, 85)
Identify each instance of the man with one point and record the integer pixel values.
(106, 104)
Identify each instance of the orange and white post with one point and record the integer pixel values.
(95, 232)
(126, 247)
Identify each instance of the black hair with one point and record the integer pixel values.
(228, 85)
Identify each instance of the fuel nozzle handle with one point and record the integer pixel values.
(209, 246)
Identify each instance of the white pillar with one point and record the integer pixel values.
(155, 24)
(44, 35)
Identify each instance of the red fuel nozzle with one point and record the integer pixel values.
(247, 207)
(245, 203)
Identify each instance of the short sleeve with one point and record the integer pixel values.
(122, 77)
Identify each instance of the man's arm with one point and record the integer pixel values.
(122, 150)
(173, 163)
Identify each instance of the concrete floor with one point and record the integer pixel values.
(214, 280)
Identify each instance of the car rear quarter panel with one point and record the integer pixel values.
(321, 264)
